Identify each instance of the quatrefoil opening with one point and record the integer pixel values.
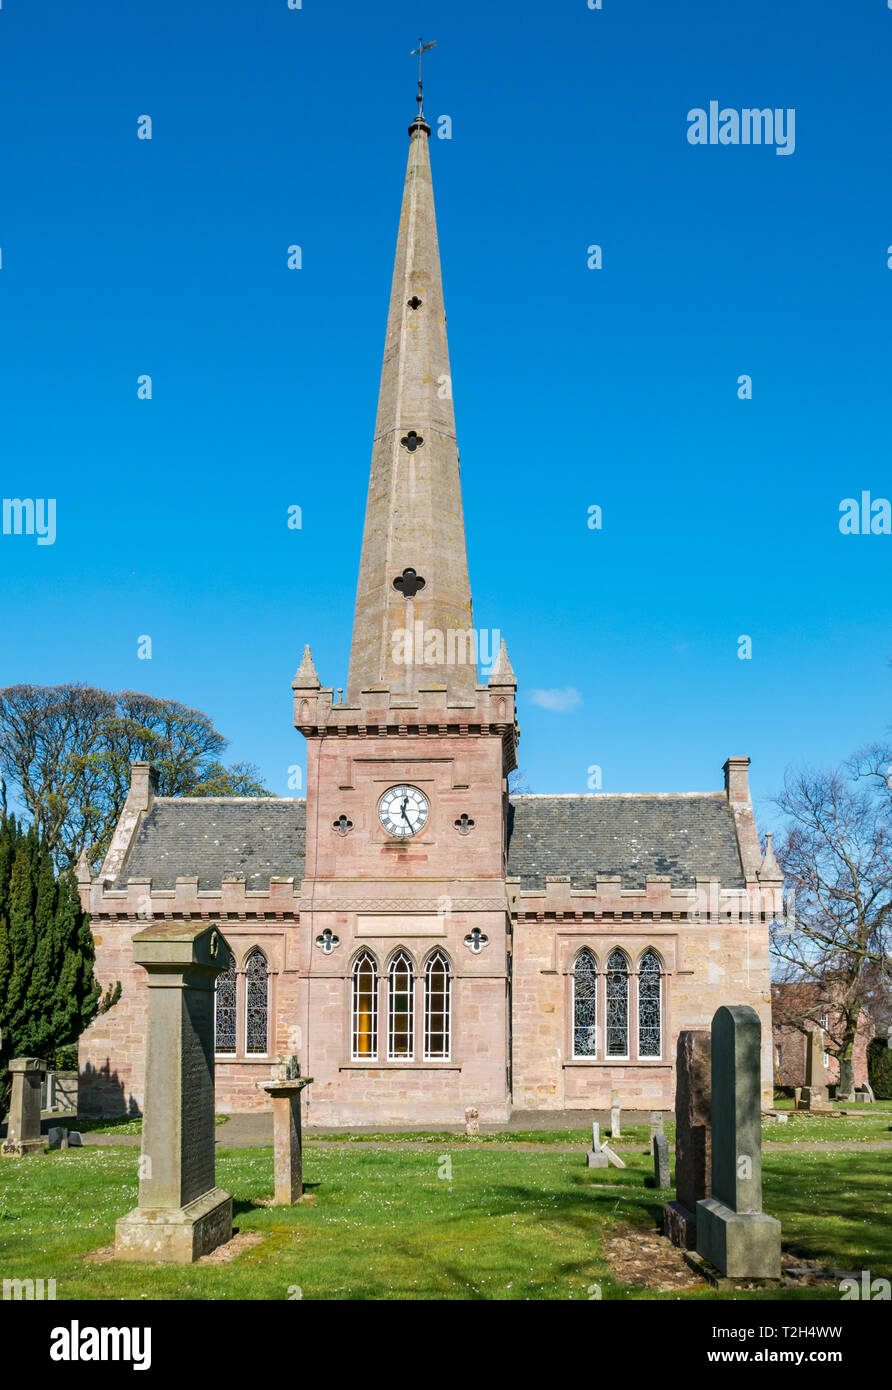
(412, 441)
(408, 583)
(327, 941)
(342, 825)
(415, 302)
(464, 825)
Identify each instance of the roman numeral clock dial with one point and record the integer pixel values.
(403, 811)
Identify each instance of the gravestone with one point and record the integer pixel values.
(815, 1091)
(182, 1214)
(656, 1124)
(284, 1088)
(797, 1097)
(661, 1160)
(733, 1232)
(693, 1132)
(615, 1116)
(596, 1158)
(23, 1137)
(58, 1138)
(472, 1121)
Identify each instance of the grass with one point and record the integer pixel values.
(479, 1222)
(123, 1124)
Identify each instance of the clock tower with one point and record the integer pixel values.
(404, 940)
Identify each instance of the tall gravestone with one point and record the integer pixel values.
(733, 1232)
(814, 1093)
(182, 1214)
(23, 1135)
(693, 1136)
(284, 1088)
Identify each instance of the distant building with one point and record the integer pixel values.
(797, 1007)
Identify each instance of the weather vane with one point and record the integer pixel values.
(421, 49)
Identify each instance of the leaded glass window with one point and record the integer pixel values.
(225, 1013)
(585, 1005)
(617, 1005)
(365, 1008)
(400, 1008)
(437, 1006)
(256, 1004)
(650, 1006)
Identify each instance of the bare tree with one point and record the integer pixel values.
(66, 752)
(836, 856)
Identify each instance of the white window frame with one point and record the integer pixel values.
(426, 1053)
(355, 1054)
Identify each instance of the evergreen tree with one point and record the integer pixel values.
(48, 992)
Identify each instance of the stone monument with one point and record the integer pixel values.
(182, 1214)
(693, 1136)
(733, 1232)
(596, 1158)
(615, 1116)
(23, 1135)
(814, 1093)
(284, 1087)
(661, 1161)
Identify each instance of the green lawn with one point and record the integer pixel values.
(393, 1223)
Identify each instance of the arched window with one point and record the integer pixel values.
(617, 1005)
(365, 1008)
(225, 1013)
(650, 1006)
(400, 1009)
(256, 1004)
(585, 1005)
(437, 1007)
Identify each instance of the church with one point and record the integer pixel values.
(422, 939)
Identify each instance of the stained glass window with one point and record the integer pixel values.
(649, 1006)
(617, 1005)
(400, 1008)
(585, 1005)
(437, 1000)
(225, 1013)
(365, 1008)
(256, 1004)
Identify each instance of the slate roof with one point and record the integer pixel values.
(685, 837)
(260, 837)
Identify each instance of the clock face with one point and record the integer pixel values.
(403, 811)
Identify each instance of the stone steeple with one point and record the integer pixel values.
(413, 623)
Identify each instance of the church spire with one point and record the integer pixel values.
(413, 622)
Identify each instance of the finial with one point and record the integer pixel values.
(306, 678)
(419, 121)
(502, 671)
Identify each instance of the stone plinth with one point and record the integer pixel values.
(693, 1144)
(287, 1144)
(732, 1230)
(23, 1136)
(182, 1214)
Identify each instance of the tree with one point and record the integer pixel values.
(836, 856)
(48, 993)
(66, 752)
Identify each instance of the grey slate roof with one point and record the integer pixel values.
(683, 836)
(260, 837)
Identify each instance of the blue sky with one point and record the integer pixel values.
(573, 387)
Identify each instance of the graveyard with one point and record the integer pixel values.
(511, 1216)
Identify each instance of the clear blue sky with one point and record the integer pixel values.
(573, 387)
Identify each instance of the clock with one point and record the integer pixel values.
(403, 811)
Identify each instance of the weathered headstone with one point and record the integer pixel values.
(472, 1121)
(656, 1124)
(613, 1157)
(733, 1232)
(74, 1139)
(595, 1158)
(58, 1138)
(815, 1073)
(182, 1214)
(615, 1116)
(693, 1152)
(661, 1160)
(23, 1137)
(797, 1097)
(284, 1088)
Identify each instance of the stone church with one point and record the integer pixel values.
(421, 938)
